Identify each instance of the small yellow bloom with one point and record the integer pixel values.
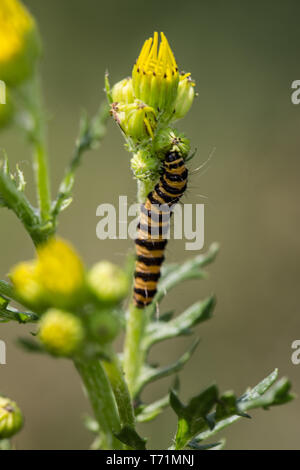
(25, 280)
(61, 333)
(11, 419)
(59, 270)
(155, 75)
(19, 42)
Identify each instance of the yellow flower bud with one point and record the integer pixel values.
(108, 282)
(137, 120)
(11, 419)
(155, 75)
(25, 280)
(61, 333)
(19, 40)
(185, 96)
(145, 166)
(122, 92)
(60, 272)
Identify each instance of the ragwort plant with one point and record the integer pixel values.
(78, 312)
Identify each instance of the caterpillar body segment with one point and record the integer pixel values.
(154, 226)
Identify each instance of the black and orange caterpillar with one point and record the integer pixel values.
(154, 225)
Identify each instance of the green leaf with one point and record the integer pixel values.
(150, 374)
(192, 418)
(264, 395)
(179, 326)
(130, 437)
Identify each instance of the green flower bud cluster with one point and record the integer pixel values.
(79, 309)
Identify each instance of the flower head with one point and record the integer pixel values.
(59, 270)
(25, 280)
(11, 419)
(155, 74)
(19, 39)
(61, 333)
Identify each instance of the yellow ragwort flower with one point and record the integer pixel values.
(19, 42)
(155, 75)
(25, 280)
(61, 333)
(59, 270)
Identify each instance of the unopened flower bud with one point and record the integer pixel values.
(155, 75)
(136, 120)
(170, 140)
(108, 282)
(104, 326)
(145, 166)
(122, 92)
(11, 419)
(61, 333)
(20, 43)
(185, 96)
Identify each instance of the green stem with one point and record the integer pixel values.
(102, 400)
(40, 157)
(133, 352)
(19, 204)
(40, 165)
(115, 374)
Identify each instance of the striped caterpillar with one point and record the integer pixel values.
(154, 225)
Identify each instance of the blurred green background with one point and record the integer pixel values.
(244, 57)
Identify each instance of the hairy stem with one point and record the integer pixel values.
(102, 401)
(37, 136)
(115, 374)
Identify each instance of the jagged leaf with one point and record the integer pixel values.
(150, 374)
(192, 417)
(266, 394)
(181, 325)
(21, 180)
(130, 437)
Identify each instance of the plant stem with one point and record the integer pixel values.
(115, 374)
(40, 157)
(102, 400)
(19, 204)
(133, 353)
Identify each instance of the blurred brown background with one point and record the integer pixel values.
(244, 57)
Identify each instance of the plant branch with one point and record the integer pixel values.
(102, 401)
(90, 135)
